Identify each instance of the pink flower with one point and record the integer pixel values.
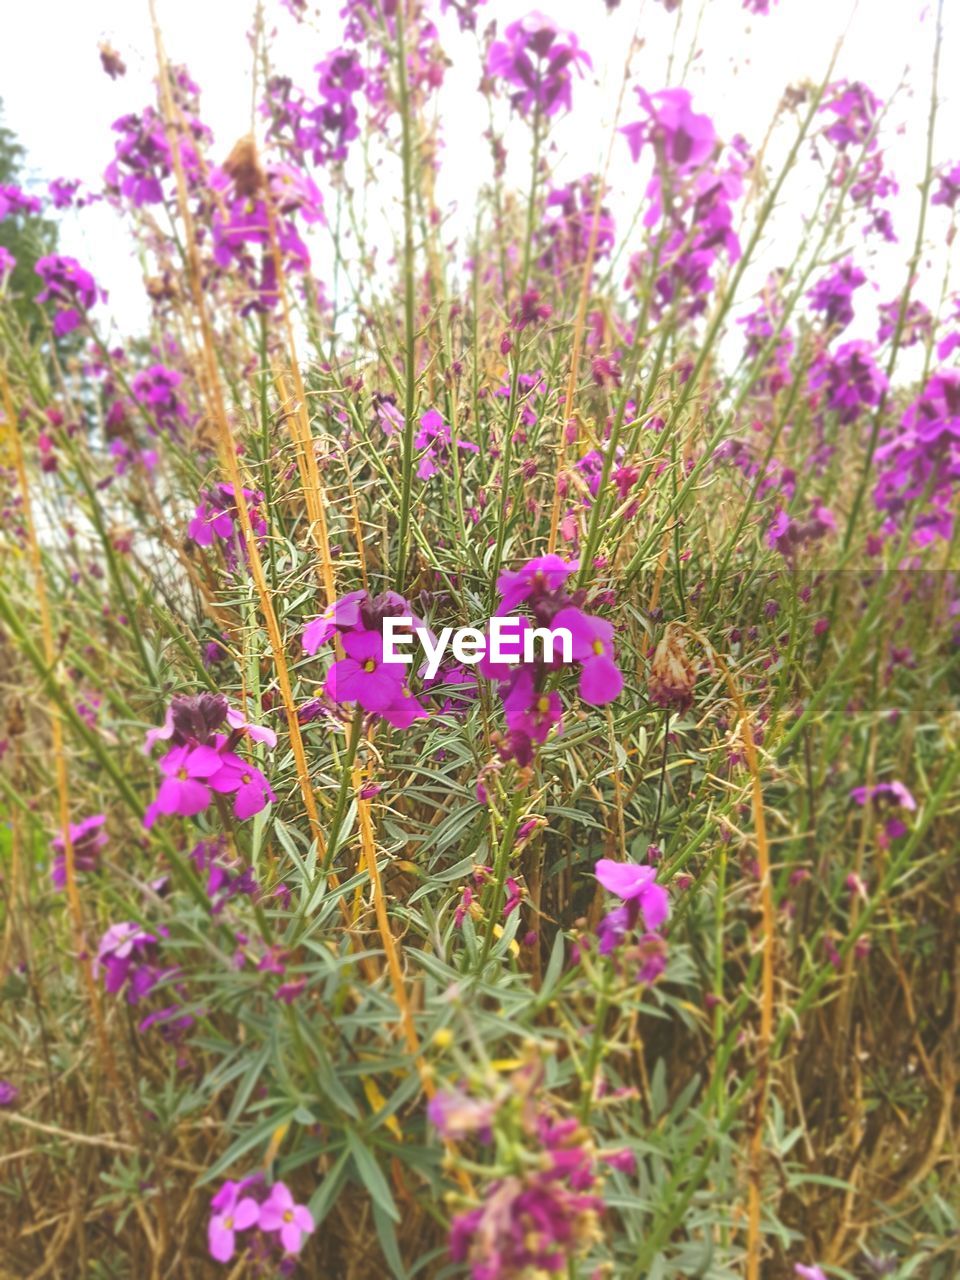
(540, 575)
(404, 709)
(185, 789)
(231, 1215)
(341, 615)
(634, 883)
(282, 1214)
(363, 676)
(600, 679)
(250, 789)
(537, 58)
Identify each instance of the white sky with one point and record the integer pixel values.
(60, 103)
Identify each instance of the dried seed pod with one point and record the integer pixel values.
(243, 166)
(672, 673)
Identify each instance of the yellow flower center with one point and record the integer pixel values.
(288, 1215)
(597, 646)
(543, 704)
(369, 665)
(182, 775)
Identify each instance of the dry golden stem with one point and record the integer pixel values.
(228, 451)
(755, 1162)
(57, 744)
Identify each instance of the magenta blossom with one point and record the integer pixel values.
(67, 284)
(231, 1212)
(87, 838)
(363, 676)
(531, 711)
(540, 575)
(683, 138)
(185, 789)
(537, 58)
(635, 884)
(341, 615)
(119, 949)
(250, 790)
(600, 679)
(282, 1214)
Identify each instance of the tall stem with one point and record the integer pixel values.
(409, 314)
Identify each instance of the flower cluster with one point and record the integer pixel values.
(537, 59)
(202, 761)
(849, 379)
(323, 129)
(833, 295)
(216, 519)
(362, 678)
(688, 195)
(542, 1213)
(435, 439)
(568, 227)
(921, 459)
(273, 1227)
(241, 225)
(640, 896)
(531, 708)
(71, 289)
(855, 115)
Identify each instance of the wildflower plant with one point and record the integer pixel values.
(621, 948)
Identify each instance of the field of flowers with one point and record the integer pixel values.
(634, 962)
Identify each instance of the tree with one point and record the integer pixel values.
(27, 236)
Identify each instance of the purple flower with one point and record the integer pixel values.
(67, 284)
(948, 192)
(834, 293)
(404, 709)
(916, 326)
(540, 576)
(531, 711)
(118, 950)
(342, 615)
(850, 378)
(922, 455)
(14, 199)
(7, 263)
(855, 110)
(87, 838)
(808, 1273)
(250, 789)
(282, 1214)
(635, 883)
(185, 789)
(600, 679)
(893, 792)
(363, 676)
(9, 1093)
(537, 57)
(682, 138)
(231, 1214)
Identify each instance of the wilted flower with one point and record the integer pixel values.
(672, 673)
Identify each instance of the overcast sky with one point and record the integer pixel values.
(59, 102)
